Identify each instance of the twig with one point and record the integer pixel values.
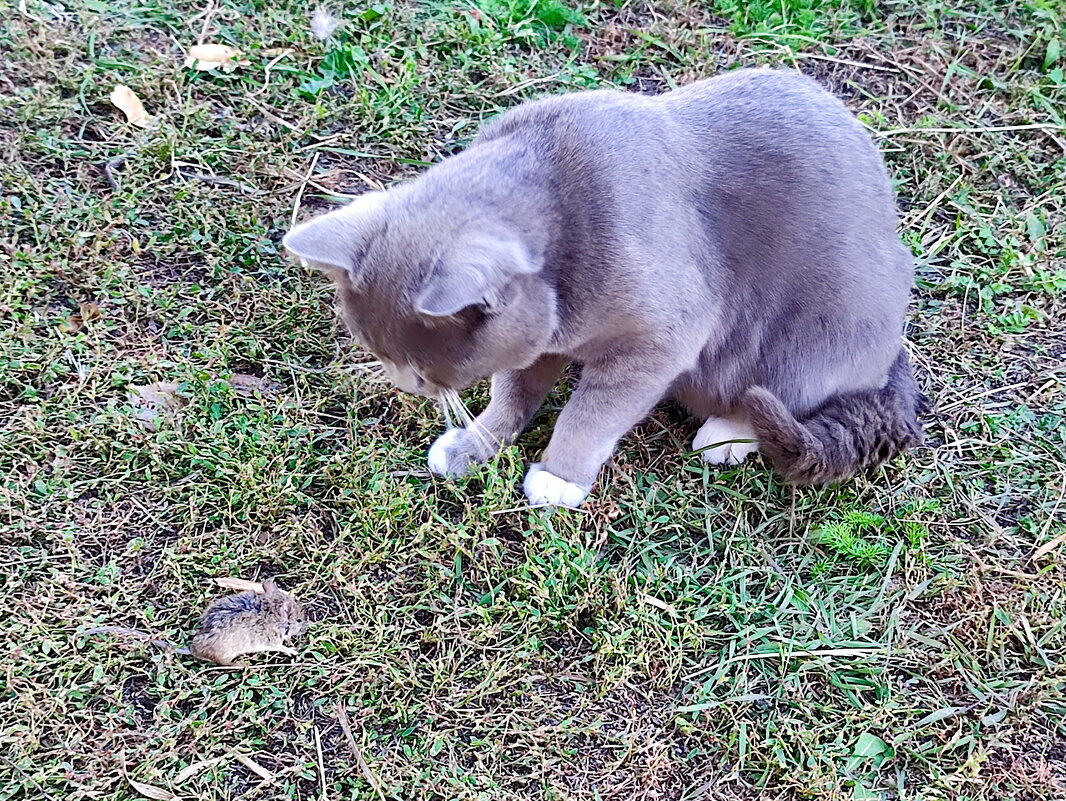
(270, 115)
(346, 727)
(214, 179)
(300, 191)
(108, 168)
(977, 396)
(44, 793)
(1035, 126)
(299, 368)
(207, 13)
(845, 62)
(255, 767)
(321, 763)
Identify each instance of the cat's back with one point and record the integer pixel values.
(766, 103)
(782, 126)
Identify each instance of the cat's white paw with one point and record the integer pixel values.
(719, 429)
(544, 489)
(447, 456)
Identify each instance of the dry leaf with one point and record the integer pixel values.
(150, 400)
(124, 98)
(161, 395)
(197, 767)
(89, 311)
(239, 584)
(151, 791)
(72, 324)
(76, 321)
(214, 56)
(249, 385)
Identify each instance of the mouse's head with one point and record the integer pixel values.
(292, 621)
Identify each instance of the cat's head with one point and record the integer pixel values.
(444, 298)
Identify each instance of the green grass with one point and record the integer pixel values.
(693, 633)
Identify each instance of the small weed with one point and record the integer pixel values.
(866, 540)
(536, 21)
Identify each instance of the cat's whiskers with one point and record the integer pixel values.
(374, 370)
(470, 422)
(445, 411)
(455, 417)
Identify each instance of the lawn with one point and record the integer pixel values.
(178, 403)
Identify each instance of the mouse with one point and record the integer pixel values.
(244, 623)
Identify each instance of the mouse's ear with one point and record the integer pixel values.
(287, 607)
(269, 587)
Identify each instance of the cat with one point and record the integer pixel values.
(730, 244)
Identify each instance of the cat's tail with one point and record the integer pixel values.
(846, 434)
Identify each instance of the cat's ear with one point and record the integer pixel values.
(333, 241)
(482, 274)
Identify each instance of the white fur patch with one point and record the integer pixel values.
(544, 489)
(438, 451)
(719, 429)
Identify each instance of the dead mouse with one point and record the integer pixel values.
(244, 623)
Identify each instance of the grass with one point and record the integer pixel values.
(693, 633)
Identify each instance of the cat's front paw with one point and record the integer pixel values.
(454, 453)
(544, 489)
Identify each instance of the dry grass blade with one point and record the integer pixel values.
(254, 767)
(196, 768)
(357, 752)
(151, 791)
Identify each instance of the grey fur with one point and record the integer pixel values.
(739, 232)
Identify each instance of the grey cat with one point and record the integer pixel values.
(731, 244)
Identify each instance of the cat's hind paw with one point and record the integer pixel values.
(545, 489)
(717, 432)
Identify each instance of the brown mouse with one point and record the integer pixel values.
(244, 623)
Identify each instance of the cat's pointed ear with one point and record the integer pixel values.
(452, 289)
(481, 274)
(333, 241)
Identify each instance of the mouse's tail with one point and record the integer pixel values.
(848, 433)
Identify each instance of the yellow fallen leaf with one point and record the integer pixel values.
(124, 98)
(239, 584)
(213, 56)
